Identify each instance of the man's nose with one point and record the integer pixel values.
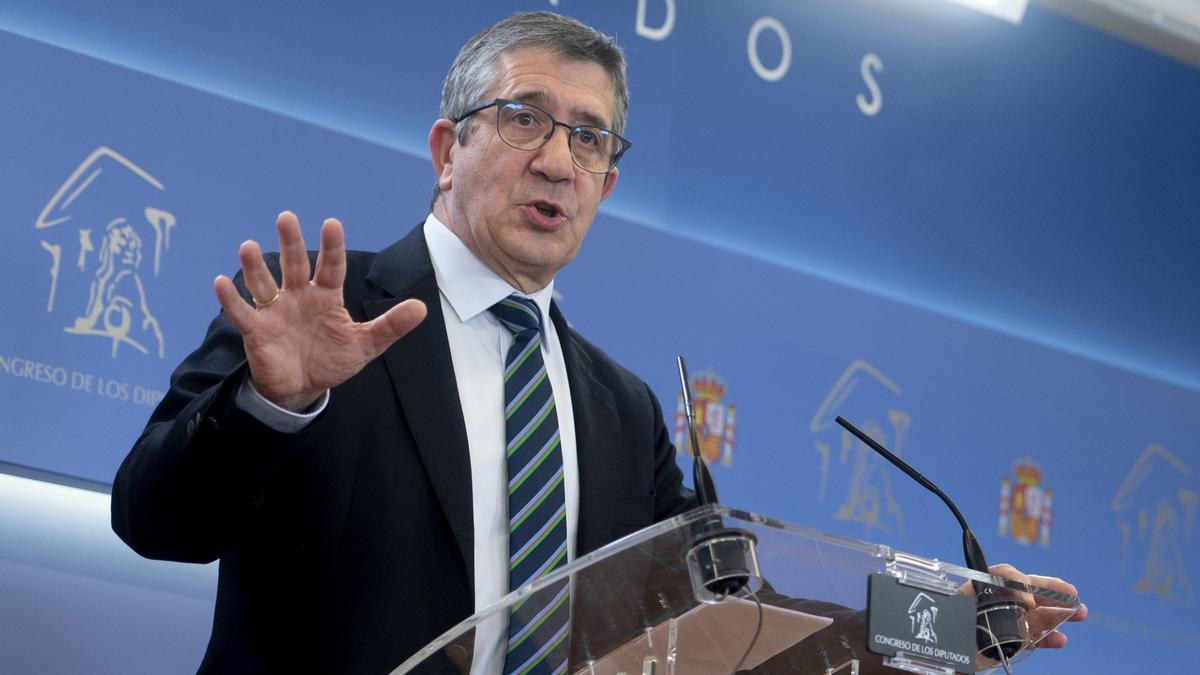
(553, 159)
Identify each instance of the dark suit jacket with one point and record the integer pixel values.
(348, 546)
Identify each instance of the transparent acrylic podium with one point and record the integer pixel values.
(639, 607)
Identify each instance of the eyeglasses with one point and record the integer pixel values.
(528, 127)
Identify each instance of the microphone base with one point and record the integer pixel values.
(1002, 629)
(723, 562)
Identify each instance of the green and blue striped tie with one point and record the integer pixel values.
(537, 524)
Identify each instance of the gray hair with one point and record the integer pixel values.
(473, 71)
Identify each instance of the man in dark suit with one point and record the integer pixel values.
(339, 439)
(325, 441)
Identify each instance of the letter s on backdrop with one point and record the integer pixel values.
(870, 108)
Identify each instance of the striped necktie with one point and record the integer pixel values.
(537, 524)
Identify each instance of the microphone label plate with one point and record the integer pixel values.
(917, 622)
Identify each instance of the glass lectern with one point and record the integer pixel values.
(717, 590)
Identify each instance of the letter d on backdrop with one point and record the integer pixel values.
(662, 31)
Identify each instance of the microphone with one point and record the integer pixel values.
(999, 619)
(706, 490)
(722, 560)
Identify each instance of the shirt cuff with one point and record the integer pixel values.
(279, 419)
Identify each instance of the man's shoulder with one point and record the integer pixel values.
(359, 263)
(605, 368)
(392, 269)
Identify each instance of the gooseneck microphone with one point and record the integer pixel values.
(721, 560)
(999, 617)
(706, 490)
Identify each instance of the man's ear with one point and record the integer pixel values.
(441, 146)
(610, 182)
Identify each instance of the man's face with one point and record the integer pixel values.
(524, 213)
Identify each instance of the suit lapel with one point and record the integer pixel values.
(595, 416)
(422, 375)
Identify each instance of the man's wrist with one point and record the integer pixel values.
(273, 415)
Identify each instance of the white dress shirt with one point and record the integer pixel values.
(478, 347)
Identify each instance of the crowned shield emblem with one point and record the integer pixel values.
(1025, 505)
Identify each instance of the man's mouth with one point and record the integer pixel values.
(545, 214)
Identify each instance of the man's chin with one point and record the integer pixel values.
(540, 265)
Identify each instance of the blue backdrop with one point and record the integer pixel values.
(974, 238)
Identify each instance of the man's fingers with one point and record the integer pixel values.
(394, 324)
(1059, 586)
(1049, 613)
(293, 256)
(232, 302)
(1080, 614)
(1053, 640)
(1052, 583)
(257, 276)
(1007, 571)
(331, 260)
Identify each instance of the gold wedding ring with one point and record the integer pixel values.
(267, 303)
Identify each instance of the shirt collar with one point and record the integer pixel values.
(470, 286)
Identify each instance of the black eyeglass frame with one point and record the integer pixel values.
(624, 143)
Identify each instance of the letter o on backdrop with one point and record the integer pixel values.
(785, 61)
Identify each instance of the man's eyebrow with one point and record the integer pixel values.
(540, 98)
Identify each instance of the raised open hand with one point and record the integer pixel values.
(299, 339)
